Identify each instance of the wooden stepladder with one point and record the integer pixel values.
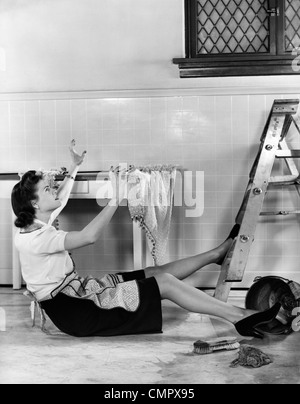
(273, 145)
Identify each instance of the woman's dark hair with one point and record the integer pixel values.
(22, 195)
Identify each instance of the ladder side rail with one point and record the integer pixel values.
(256, 199)
(286, 126)
(297, 125)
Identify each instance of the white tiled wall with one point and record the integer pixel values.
(215, 134)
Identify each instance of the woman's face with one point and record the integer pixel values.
(47, 200)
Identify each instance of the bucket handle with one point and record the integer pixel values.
(258, 278)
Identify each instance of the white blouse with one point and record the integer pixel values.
(44, 260)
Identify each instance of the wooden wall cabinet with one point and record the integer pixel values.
(241, 38)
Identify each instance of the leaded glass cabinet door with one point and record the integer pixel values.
(240, 38)
(233, 27)
(289, 26)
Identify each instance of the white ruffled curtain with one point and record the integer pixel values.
(150, 202)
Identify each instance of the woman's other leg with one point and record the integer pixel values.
(197, 301)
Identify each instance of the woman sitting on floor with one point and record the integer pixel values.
(124, 303)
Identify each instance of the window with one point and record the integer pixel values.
(240, 37)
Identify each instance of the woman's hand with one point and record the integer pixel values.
(65, 187)
(77, 159)
(119, 180)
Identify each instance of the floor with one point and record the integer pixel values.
(29, 356)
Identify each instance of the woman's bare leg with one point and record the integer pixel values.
(197, 301)
(185, 268)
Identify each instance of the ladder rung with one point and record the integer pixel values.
(288, 154)
(285, 180)
(281, 213)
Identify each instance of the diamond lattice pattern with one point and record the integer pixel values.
(292, 24)
(233, 26)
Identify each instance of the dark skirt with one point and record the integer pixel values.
(82, 318)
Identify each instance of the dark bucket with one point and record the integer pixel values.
(267, 291)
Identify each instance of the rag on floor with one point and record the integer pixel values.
(251, 357)
(150, 202)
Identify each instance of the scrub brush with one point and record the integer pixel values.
(214, 345)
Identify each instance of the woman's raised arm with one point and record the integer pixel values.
(66, 186)
(76, 160)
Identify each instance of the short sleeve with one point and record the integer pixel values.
(49, 241)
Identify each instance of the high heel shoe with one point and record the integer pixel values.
(233, 234)
(248, 326)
